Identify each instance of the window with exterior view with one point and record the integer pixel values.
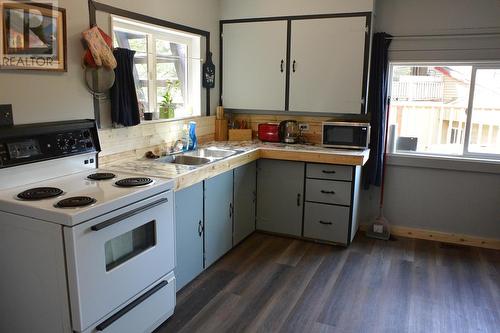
(167, 68)
(445, 109)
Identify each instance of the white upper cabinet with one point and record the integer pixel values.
(305, 64)
(327, 61)
(254, 68)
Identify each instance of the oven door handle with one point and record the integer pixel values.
(126, 215)
(105, 324)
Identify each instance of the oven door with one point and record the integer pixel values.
(116, 256)
(346, 135)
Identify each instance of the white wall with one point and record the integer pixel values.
(464, 202)
(45, 96)
(233, 9)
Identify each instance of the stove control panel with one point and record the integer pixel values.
(28, 148)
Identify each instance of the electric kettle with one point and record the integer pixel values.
(289, 131)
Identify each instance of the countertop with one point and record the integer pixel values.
(185, 175)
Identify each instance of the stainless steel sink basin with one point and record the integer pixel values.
(211, 152)
(184, 159)
(198, 157)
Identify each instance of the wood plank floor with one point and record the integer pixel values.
(274, 284)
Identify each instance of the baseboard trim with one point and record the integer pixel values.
(440, 236)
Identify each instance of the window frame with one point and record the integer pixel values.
(193, 71)
(466, 154)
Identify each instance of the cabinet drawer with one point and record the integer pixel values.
(329, 171)
(151, 309)
(328, 191)
(326, 222)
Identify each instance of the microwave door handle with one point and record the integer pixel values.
(126, 215)
(105, 324)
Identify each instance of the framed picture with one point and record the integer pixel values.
(33, 36)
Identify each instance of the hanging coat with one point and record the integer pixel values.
(124, 104)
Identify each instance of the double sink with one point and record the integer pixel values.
(198, 157)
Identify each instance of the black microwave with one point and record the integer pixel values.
(346, 135)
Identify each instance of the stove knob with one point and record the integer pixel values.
(61, 144)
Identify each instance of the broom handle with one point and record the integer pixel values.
(385, 155)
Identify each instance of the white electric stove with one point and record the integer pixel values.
(81, 249)
(75, 198)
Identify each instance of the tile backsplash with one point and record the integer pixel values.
(118, 142)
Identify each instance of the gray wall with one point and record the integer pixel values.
(45, 96)
(464, 202)
(443, 17)
(233, 9)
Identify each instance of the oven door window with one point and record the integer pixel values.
(126, 246)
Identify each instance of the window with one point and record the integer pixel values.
(429, 109)
(167, 68)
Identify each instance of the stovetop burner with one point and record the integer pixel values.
(101, 176)
(75, 202)
(135, 181)
(39, 193)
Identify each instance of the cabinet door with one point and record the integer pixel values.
(327, 61)
(253, 72)
(218, 216)
(280, 195)
(189, 233)
(244, 201)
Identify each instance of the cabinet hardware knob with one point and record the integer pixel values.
(293, 66)
(325, 222)
(281, 65)
(328, 171)
(327, 192)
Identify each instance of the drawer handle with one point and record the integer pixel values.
(325, 222)
(124, 216)
(298, 199)
(200, 229)
(281, 65)
(327, 192)
(331, 172)
(128, 308)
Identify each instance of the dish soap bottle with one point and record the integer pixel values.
(193, 141)
(185, 138)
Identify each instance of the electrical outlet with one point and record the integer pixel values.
(304, 127)
(6, 118)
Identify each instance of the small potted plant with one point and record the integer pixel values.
(167, 106)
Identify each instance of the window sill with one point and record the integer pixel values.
(156, 121)
(445, 163)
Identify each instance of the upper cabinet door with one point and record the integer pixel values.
(254, 65)
(326, 64)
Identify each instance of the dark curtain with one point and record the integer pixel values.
(123, 39)
(377, 107)
(124, 105)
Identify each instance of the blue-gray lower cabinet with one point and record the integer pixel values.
(245, 193)
(218, 216)
(189, 234)
(280, 196)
